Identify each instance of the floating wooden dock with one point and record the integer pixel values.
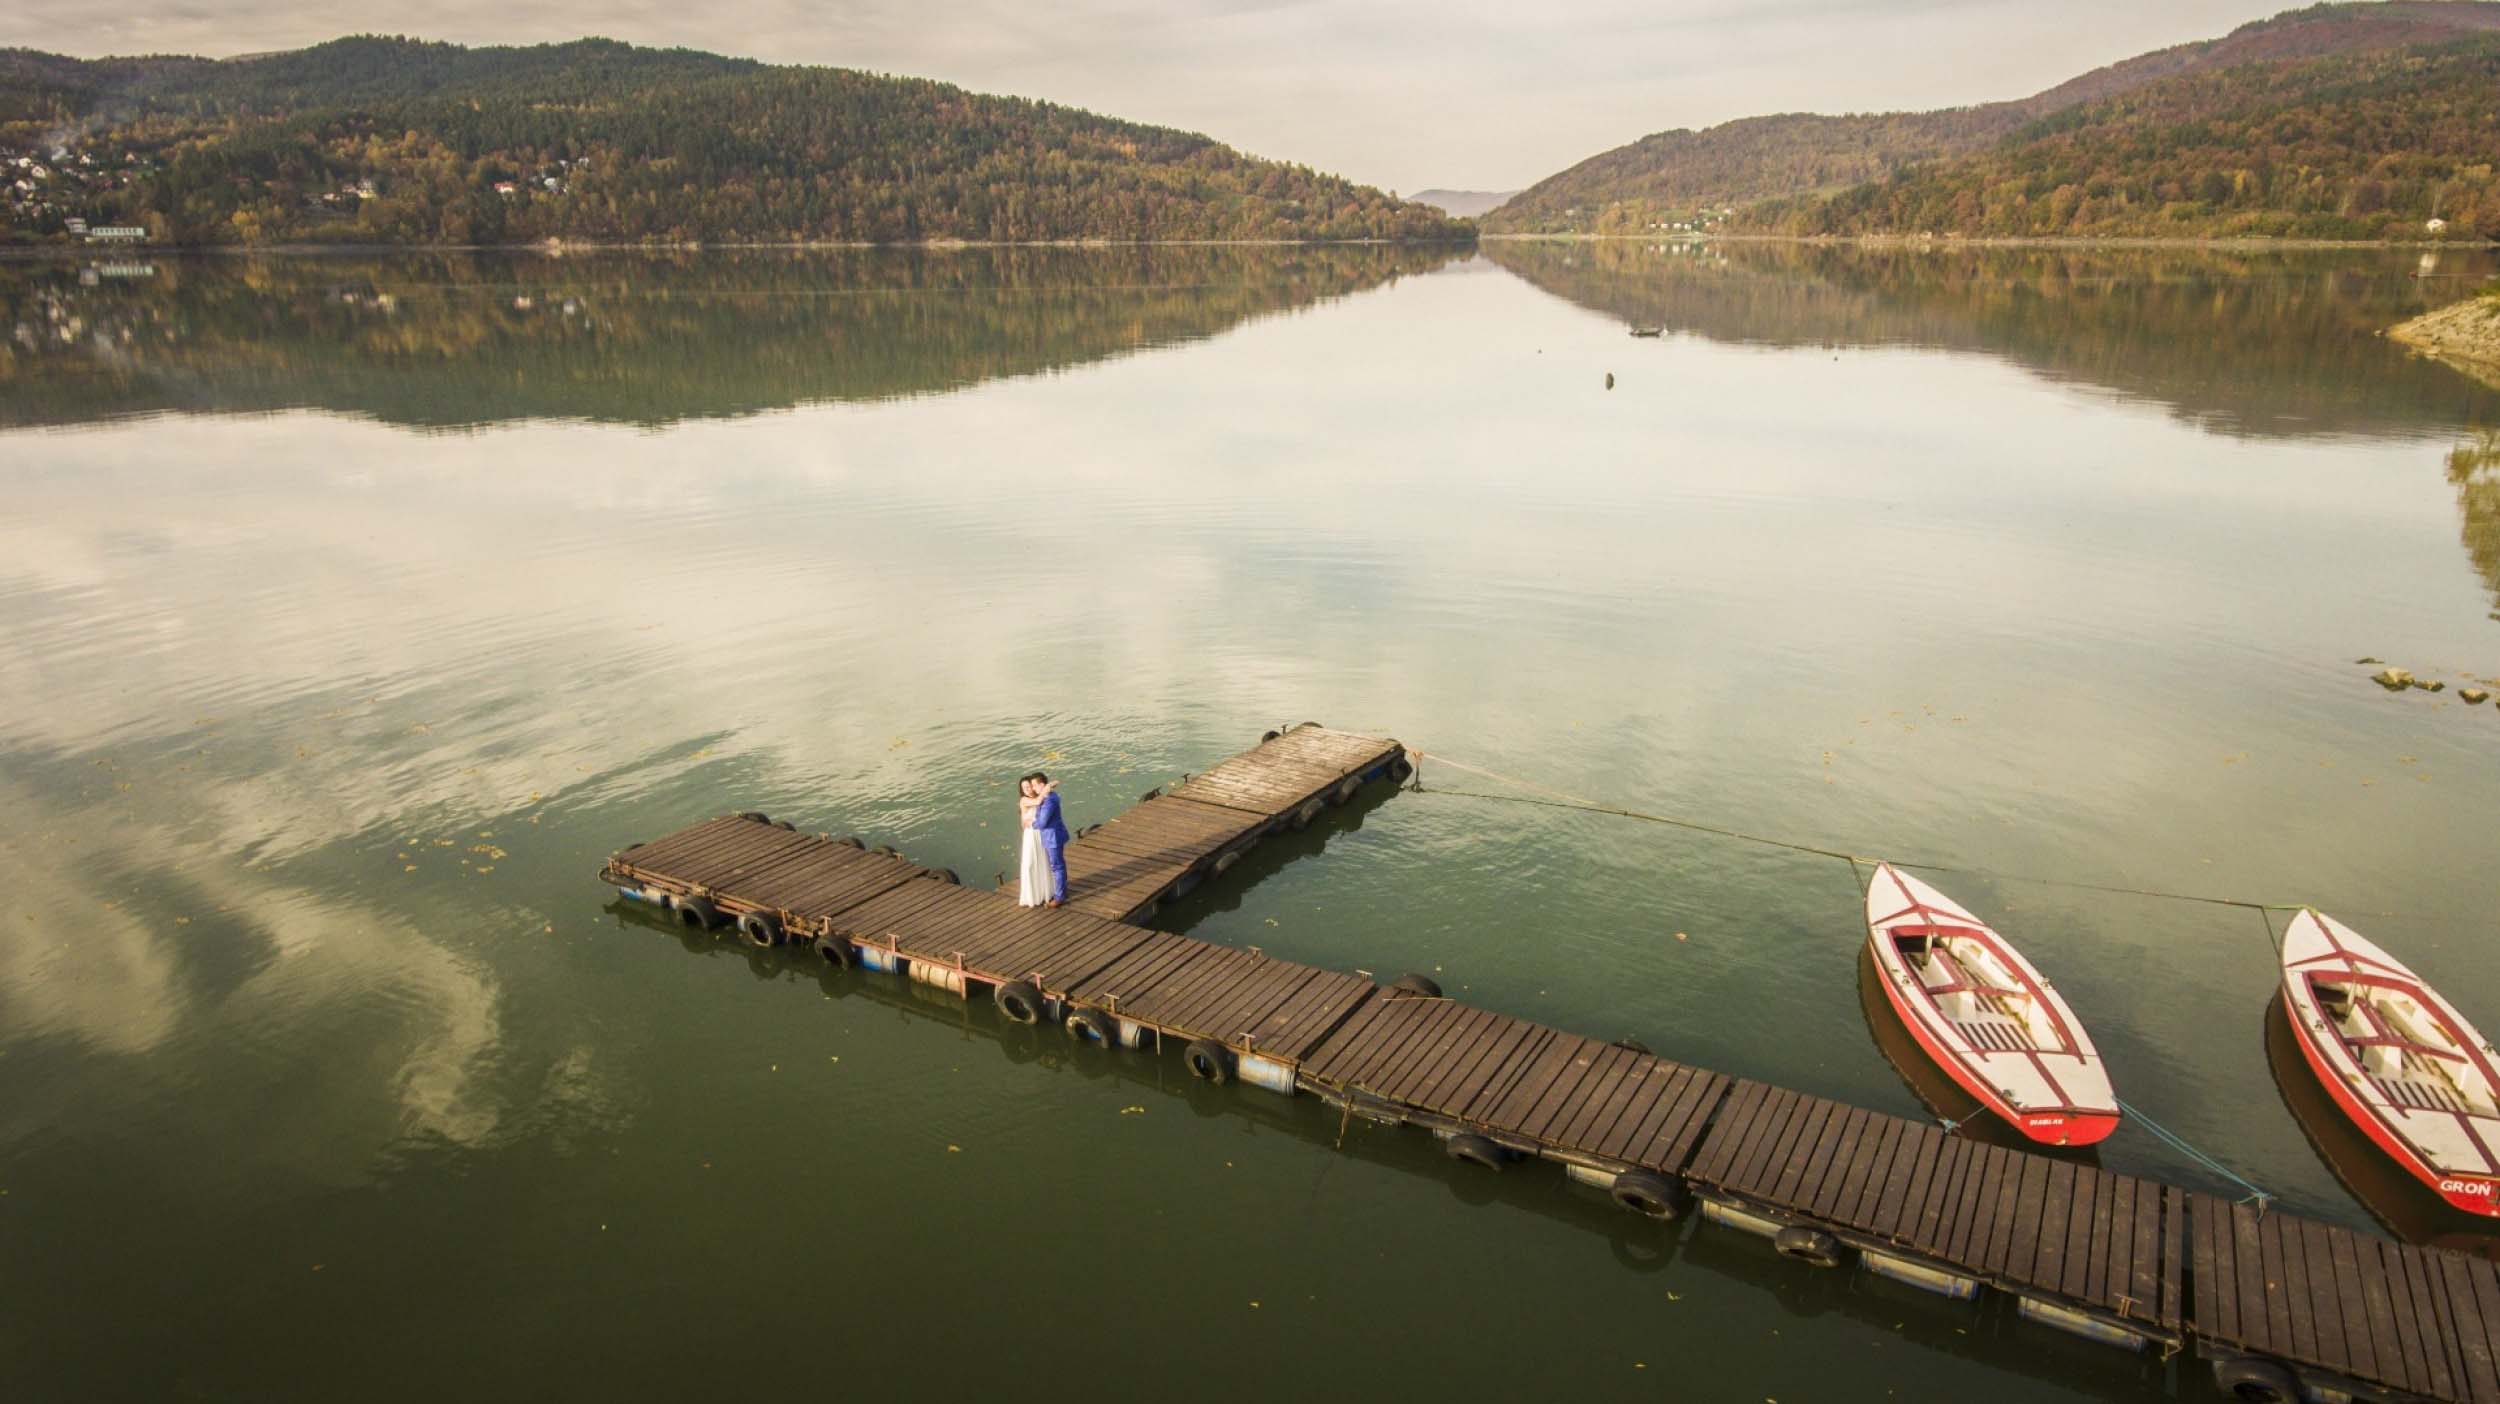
(2277, 1303)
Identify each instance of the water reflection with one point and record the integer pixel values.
(2475, 470)
(452, 340)
(2264, 343)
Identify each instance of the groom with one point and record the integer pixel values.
(1053, 832)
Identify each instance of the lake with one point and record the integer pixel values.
(354, 608)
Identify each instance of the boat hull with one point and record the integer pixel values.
(2478, 1195)
(2058, 1127)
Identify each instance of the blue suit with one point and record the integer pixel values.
(1054, 835)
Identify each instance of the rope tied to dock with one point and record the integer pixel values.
(1557, 799)
(1859, 867)
(2179, 1143)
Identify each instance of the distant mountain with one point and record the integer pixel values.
(367, 140)
(1704, 177)
(1466, 204)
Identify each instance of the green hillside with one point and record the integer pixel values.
(396, 141)
(2353, 147)
(1707, 179)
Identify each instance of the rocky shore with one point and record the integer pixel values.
(2464, 334)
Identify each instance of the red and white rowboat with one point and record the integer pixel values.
(1990, 1020)
(2398, 1059)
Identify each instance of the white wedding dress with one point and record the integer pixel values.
(1032, 871)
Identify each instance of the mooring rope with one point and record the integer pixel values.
(1562, 800)
(2180, 1144)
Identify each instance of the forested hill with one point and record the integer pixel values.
(1707, 178)
(2399, 145)
(392, 140)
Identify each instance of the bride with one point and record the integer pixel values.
(1032, 864)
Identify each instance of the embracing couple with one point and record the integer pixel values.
(1042, 865)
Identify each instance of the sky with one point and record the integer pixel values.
(1403, 94)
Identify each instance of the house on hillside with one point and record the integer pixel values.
(505, 187)
(2434, 226)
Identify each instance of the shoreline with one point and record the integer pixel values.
(1942, 243)
(2463, 336)
(29, 253)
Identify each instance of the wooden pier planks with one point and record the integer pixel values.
(2417, 1319)
(2172, 1262)
(1284, 774)
(2077, 1232)
(1243, 999)
(1123, 869)
(1519, 1082)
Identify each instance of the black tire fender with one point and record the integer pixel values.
(1207, 1061)
(696, 913)
(1809, 1245)
(2256, 1380)
(947, 876)
(850, 841)
(1019, 1001)
(1468, 1148)
(1092, 1026)
(753, 816)
(836, 952)
(1648, 1192)
(761, 930)
(1421, 985)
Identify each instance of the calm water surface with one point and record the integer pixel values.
(352, 610)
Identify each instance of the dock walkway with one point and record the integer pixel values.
(2276, 1302)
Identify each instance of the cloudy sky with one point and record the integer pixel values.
(1406, 94)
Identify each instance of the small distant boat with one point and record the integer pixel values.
(1647, 331)
(1985, 1015)
(2397, 1058)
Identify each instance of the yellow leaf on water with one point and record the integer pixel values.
(952, 1149)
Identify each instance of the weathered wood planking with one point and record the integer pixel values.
(2023, 1221)
(2418, 1319)
(1124, 869)
(1521, 1083)
(2175, 1264)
